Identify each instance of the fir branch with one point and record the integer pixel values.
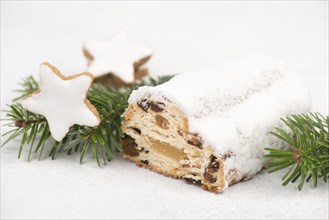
(308, 156)
(102, 140)
(29, 85)
(27, 124)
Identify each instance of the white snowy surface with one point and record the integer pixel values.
(185, 36)
(236, 107)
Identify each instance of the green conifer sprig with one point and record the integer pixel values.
(102, 140)
(308, 156)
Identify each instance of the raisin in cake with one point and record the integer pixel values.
(210, 127)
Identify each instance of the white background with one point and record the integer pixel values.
(184, 36)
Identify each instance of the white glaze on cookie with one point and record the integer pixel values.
(235, 106)
(116, 56)
(62, 101)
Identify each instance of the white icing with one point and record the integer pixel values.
(235, 106)
(115, 56)
(61, 102)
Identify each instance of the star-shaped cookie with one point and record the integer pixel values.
(62, 100)
(116, 56)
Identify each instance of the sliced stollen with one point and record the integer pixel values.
(210, 127)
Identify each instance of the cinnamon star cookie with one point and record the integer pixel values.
(115, 56)
(62, 100)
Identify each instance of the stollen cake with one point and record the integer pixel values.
(210, 127)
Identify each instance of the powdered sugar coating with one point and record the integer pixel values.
(61, 102)
(235, 106)
(115, 56)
